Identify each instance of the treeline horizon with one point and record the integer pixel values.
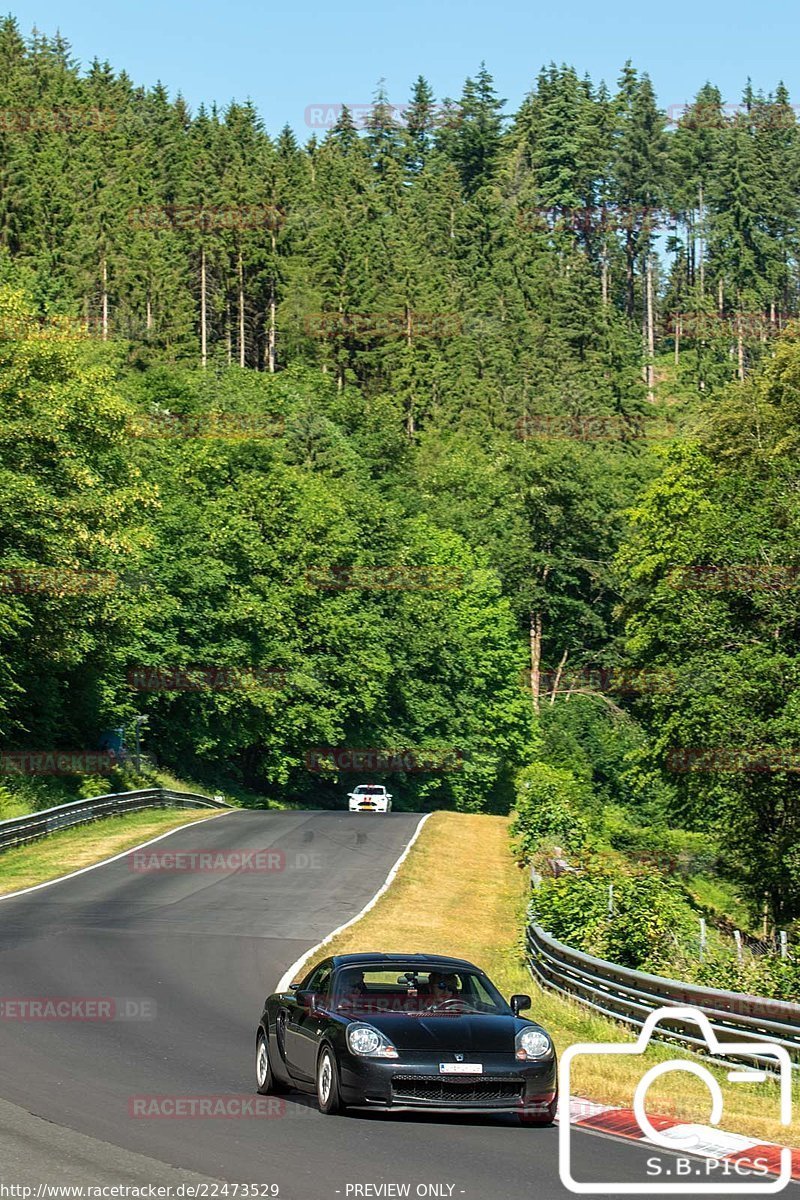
(200, 236)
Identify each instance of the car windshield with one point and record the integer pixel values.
(364, 789)
(416, 991)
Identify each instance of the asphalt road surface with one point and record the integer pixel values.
(187, 958)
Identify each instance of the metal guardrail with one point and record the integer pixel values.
(630, 996)
(18, 831)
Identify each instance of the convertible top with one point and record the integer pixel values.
(375, 959)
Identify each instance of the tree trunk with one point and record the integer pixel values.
(630, 254)
(241, 310)
(340, 367)
(271, 334)
(739, 347)
(410, 423)
(104, 274)
(701, 205)
(273, 307)
(536, 657)
(203, 328)
(557, 679)
(651, 336)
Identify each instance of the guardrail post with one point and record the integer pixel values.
(737, 935)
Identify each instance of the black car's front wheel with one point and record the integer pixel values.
(328, 1094)
(266, 1083)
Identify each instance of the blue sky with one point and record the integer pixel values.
(292, 56)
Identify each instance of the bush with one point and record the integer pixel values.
(550, 807)
(673, 851)
(650, 917)
(756, 975)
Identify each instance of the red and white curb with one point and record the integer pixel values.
(702, 1140)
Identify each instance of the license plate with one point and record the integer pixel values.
(460, 1068)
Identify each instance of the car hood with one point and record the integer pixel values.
(487, 1034)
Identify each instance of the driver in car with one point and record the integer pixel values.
(441, 988)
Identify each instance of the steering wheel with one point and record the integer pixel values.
(462, 1004)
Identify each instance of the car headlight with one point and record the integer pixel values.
(532, 1043)
(364, 1039)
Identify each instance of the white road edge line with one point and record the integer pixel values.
(104, 862)
(288, 976)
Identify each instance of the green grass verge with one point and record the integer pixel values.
(72, 849)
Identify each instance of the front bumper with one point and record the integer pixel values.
(413, 1083)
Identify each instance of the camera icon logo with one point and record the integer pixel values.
(757, 1050)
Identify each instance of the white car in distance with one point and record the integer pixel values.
(370, 797)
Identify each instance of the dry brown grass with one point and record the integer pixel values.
(459, 892)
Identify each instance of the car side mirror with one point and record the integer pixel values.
(309, 1000)
(293, 987)
(519, 1003)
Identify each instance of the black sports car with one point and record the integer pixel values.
(405, 1032)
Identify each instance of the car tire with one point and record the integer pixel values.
(266, 1083)
(328, 1095)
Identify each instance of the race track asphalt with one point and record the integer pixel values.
(194, 954)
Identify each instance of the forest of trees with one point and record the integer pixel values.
(536, 364)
